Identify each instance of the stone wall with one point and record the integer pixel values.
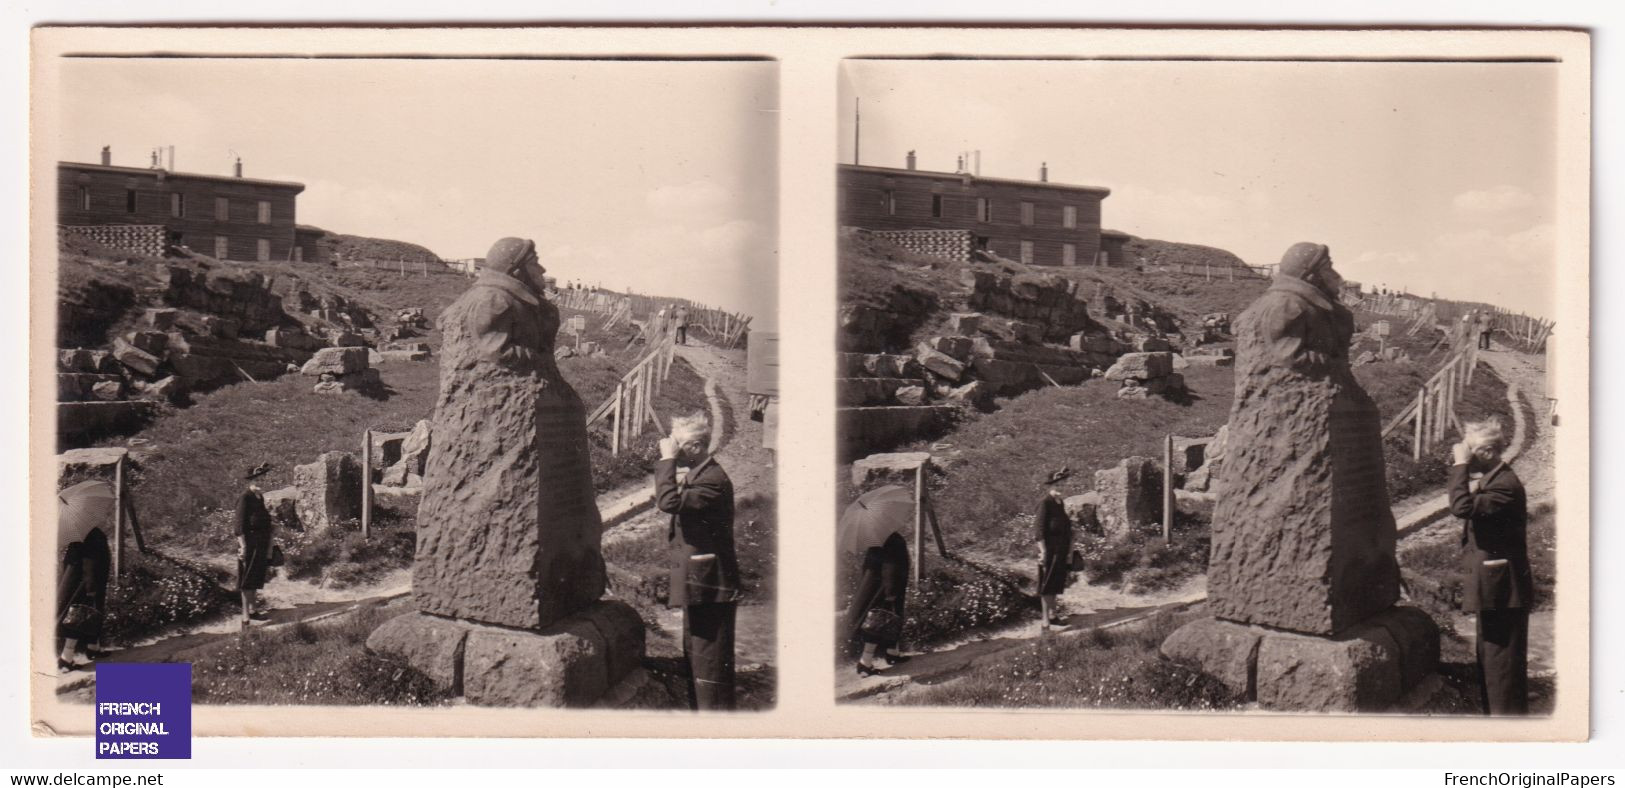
(1051, 302)
(952, 245)
(146, 239)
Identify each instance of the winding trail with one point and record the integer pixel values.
(1421, 521)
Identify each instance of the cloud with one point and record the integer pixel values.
(697, 197)
(1491, 203)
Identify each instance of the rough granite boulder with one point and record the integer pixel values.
(283, 505)
(336, 361)
(329, 490)
(1130, 495)
(508, 529)
(136, 359)
(1084, 511)
(432, 644)
(1224, 650)
(1303, 536)
(938, 363)
(565, 665)
(894, 467)
(1143, 366)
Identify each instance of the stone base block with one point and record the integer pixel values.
(572, 662)
(1369, 667)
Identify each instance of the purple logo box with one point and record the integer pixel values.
(143, 710)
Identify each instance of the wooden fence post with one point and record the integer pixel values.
(118, 519)
(615, 428)
(366, 483)
(1168, 491)
(919, 520)
(1421, 412)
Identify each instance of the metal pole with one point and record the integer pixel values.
(366, 483)
(1168, 490)
(919, 519)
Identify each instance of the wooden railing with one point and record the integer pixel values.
(1522, 332)
(1211, 272)
(724, 329)
(631, 408)
(1433, 412)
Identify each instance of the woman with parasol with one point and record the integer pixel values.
(87, 563)
(873, 526)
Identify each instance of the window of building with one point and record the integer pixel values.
(177, 205)
(1027, 213)
(888, 201)
(129, 200)
(1027, 252)
(262, 250)
(1069, 254)
(222, 247)
(299, 254)
(222, 209)
(265, 212)
(984, 209)
(936, 206)
(84, 198)
(1069, 217)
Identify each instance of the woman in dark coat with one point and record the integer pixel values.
(86, 566)
(884, 585)
(253, 548)
(1055, 542)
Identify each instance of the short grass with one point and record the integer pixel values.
(994, 462)
(309, 664)
(158, 591)
(1393, 384)
(1116, 668)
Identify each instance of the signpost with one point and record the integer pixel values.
(1383, 329)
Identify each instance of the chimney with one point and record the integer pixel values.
(154, 163)
(1043, 172)
(107, 155)
(238, 171)
(959, 164)
(978, 168)
(911, 160)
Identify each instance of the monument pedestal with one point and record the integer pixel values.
(1367, 667)
(572, 662)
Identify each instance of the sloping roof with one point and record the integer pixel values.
(934, 174)
(74, 165)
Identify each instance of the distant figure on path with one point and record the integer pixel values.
(1055, 545)
(680, 319)
(704, 567)
(1485, 328)
(253, 548)
(1496, 581)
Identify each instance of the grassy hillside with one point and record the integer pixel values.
(338, 246)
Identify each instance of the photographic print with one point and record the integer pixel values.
(1198, 385)
(417, 382)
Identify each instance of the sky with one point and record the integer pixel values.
(660, 177)
(1439, 178)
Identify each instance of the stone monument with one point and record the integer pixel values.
(1302, 578)
(507, 576)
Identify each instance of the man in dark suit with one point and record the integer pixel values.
(1496, 581)
(704, 566)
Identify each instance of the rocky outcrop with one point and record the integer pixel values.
(329, 490)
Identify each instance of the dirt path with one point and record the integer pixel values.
(1091, 608)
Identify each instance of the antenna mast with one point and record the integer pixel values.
(857, 129)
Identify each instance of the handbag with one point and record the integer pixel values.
(276, 558)
(881, 626)
(81, 619)
(1076, 564)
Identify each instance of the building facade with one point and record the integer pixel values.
(231, 218)
(1035, 222)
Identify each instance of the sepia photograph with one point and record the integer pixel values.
(1198, 385)
(416, 382)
